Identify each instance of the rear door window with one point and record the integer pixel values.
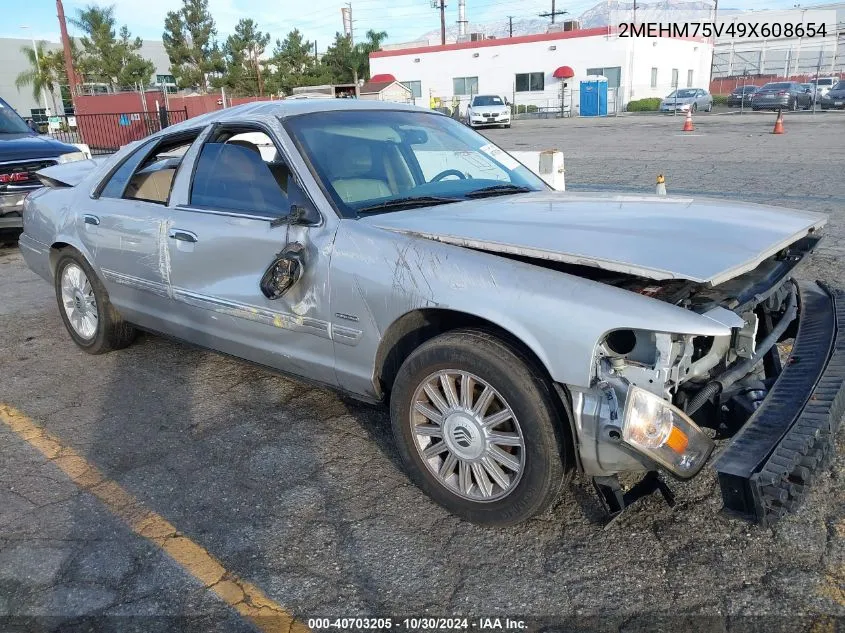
(117, 181)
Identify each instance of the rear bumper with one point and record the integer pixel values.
(769, 465)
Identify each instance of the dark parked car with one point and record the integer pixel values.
(834, 98)
(22, 153)
(782, 95)
(741, 96)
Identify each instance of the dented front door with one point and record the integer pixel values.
(216, 265)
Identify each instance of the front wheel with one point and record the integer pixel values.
(91, 320)
(477, 428)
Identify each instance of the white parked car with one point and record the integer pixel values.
(488, 110)
(823, 85)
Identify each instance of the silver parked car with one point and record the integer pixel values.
(516, 332)
(687, 100)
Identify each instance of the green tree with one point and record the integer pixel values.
(347, 62)
(341, 60)
(106, 57)
(242, 52)
(190, 41)
(370, 45)
(294, 64)
(40, 75)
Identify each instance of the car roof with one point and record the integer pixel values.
(258, 111)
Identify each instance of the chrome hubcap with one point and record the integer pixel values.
(467, 435)
(78, 301)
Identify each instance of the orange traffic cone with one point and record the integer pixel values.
(778, 123)
(688, 123)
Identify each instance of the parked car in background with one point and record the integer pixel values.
(741, 96)
(823, 85)
(488, 110)
(811, 89)
(834, 99)
(687, 99)
(782, 95)
(516, 332)
(23, 152)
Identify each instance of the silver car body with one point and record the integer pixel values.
(368, 280)
(702, 100)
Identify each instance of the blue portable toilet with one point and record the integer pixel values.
(594, 96)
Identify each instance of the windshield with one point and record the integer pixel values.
(823, 82)
(683, 94)
(487, 100)
(839, 86)
(10, 122)
(777, 86)
(385, 160)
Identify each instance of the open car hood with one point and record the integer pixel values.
(701, 240)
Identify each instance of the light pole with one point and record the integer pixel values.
(38, 68)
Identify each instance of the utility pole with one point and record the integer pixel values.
(713, 51)
(71, 71)
(635, 11)
(553, 13)
(351, 27)
(510, 26)
(441, 4)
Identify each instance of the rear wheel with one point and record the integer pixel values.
(91, 320)
(477, 428)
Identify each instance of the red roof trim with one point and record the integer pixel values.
(522, 39)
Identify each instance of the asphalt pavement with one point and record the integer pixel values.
(298, 493)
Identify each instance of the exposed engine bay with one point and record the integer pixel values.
(717, 381)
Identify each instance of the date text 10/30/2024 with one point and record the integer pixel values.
(417, 624)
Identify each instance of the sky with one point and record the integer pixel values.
(404, 20)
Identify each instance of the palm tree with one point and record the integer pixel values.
(40, 74)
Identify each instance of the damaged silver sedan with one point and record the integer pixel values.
(516, 332)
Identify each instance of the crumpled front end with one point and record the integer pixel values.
(666, 401)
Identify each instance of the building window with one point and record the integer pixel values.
(674, 77)
(528, 82)
(654, 78)
(689, 79)
(613, 74)
(165, 79)
(465, 85)
(415, 87)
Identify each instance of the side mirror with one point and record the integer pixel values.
(284, 272)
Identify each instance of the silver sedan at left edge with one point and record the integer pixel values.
(516, 333)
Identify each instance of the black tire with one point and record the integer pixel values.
(112, 332)
(528, 395)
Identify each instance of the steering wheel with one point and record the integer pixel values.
(448, 172)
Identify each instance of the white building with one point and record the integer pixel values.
(524, 68)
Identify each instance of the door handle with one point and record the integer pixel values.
(91, 219)
(183, 236)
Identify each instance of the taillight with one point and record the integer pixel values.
(783, 93)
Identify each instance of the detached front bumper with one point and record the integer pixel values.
(767, 468)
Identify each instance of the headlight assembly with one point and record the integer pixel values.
(72, 157)
(664, 433)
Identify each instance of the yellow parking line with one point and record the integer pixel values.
(247, 599)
